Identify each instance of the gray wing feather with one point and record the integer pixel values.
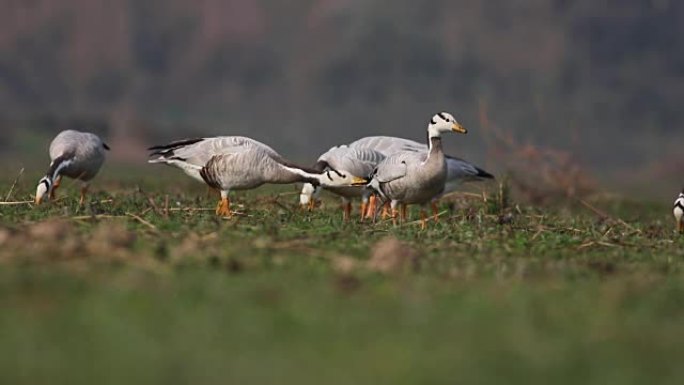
(459, 169)
(200, 152)
(388, 145)
(359, 162)
(395, 166)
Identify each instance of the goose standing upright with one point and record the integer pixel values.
(240, 163)
(678, 212)
(75, 154)
(459, 170)
(411, 177)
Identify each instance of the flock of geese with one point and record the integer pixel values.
(380, 170)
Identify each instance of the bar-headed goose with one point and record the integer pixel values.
(188, 154)
(411, 177)
(360, 162)
(240, 163)
(679, 212)
(75, 154)
(458, 170)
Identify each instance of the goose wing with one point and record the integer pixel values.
(396, 166)
(358, 161)
(460, 169)
(388, 145)
(198, 151)
(235, 167)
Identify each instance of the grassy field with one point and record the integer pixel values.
(146, 285)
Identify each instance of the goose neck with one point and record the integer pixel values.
(434, 145)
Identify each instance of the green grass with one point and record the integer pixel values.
(120, 292)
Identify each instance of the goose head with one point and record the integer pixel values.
(44, 186)
(308, 198)
(444, 122)
(339, 178)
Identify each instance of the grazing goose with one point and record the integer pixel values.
(77, 155)
(188, 154)
(239, 163)
(360, 162)
(411, 177)
(679, 212)
(458, 170)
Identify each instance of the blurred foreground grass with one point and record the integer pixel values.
(131, 289)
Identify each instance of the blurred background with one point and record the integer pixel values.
(571, 95)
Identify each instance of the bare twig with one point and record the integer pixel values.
(430, 218)
(603, 215)
(153, 204)
(144, 222)
(14, 184)
(98, 216)
(15, 203)
(191, 209)
(465, 194)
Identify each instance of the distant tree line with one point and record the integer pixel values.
(548, 70)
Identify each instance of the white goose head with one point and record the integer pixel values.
(444, 122)
(44, 186)
(307, 194)
(337, 178)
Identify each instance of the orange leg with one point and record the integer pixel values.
(223, 208)
(364, 208)
(347, 211)
(58, 182)
(386, 211)
(423, 219)
(435, 212)
(84, 191)
(680, 227)
(404, 212)
(372, 206)
(311, 205)
(395, 212)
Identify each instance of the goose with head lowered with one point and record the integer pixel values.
(240, 163)
(74, 154)
(410, 177)
(360, 162)
(678, 212)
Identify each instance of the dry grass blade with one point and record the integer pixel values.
(603, 215)
(98, 216)
(428, 219)
(174, 209)
(150, 200)
(465, 194)
(14, 184)
(16, 203)
(143, 221)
